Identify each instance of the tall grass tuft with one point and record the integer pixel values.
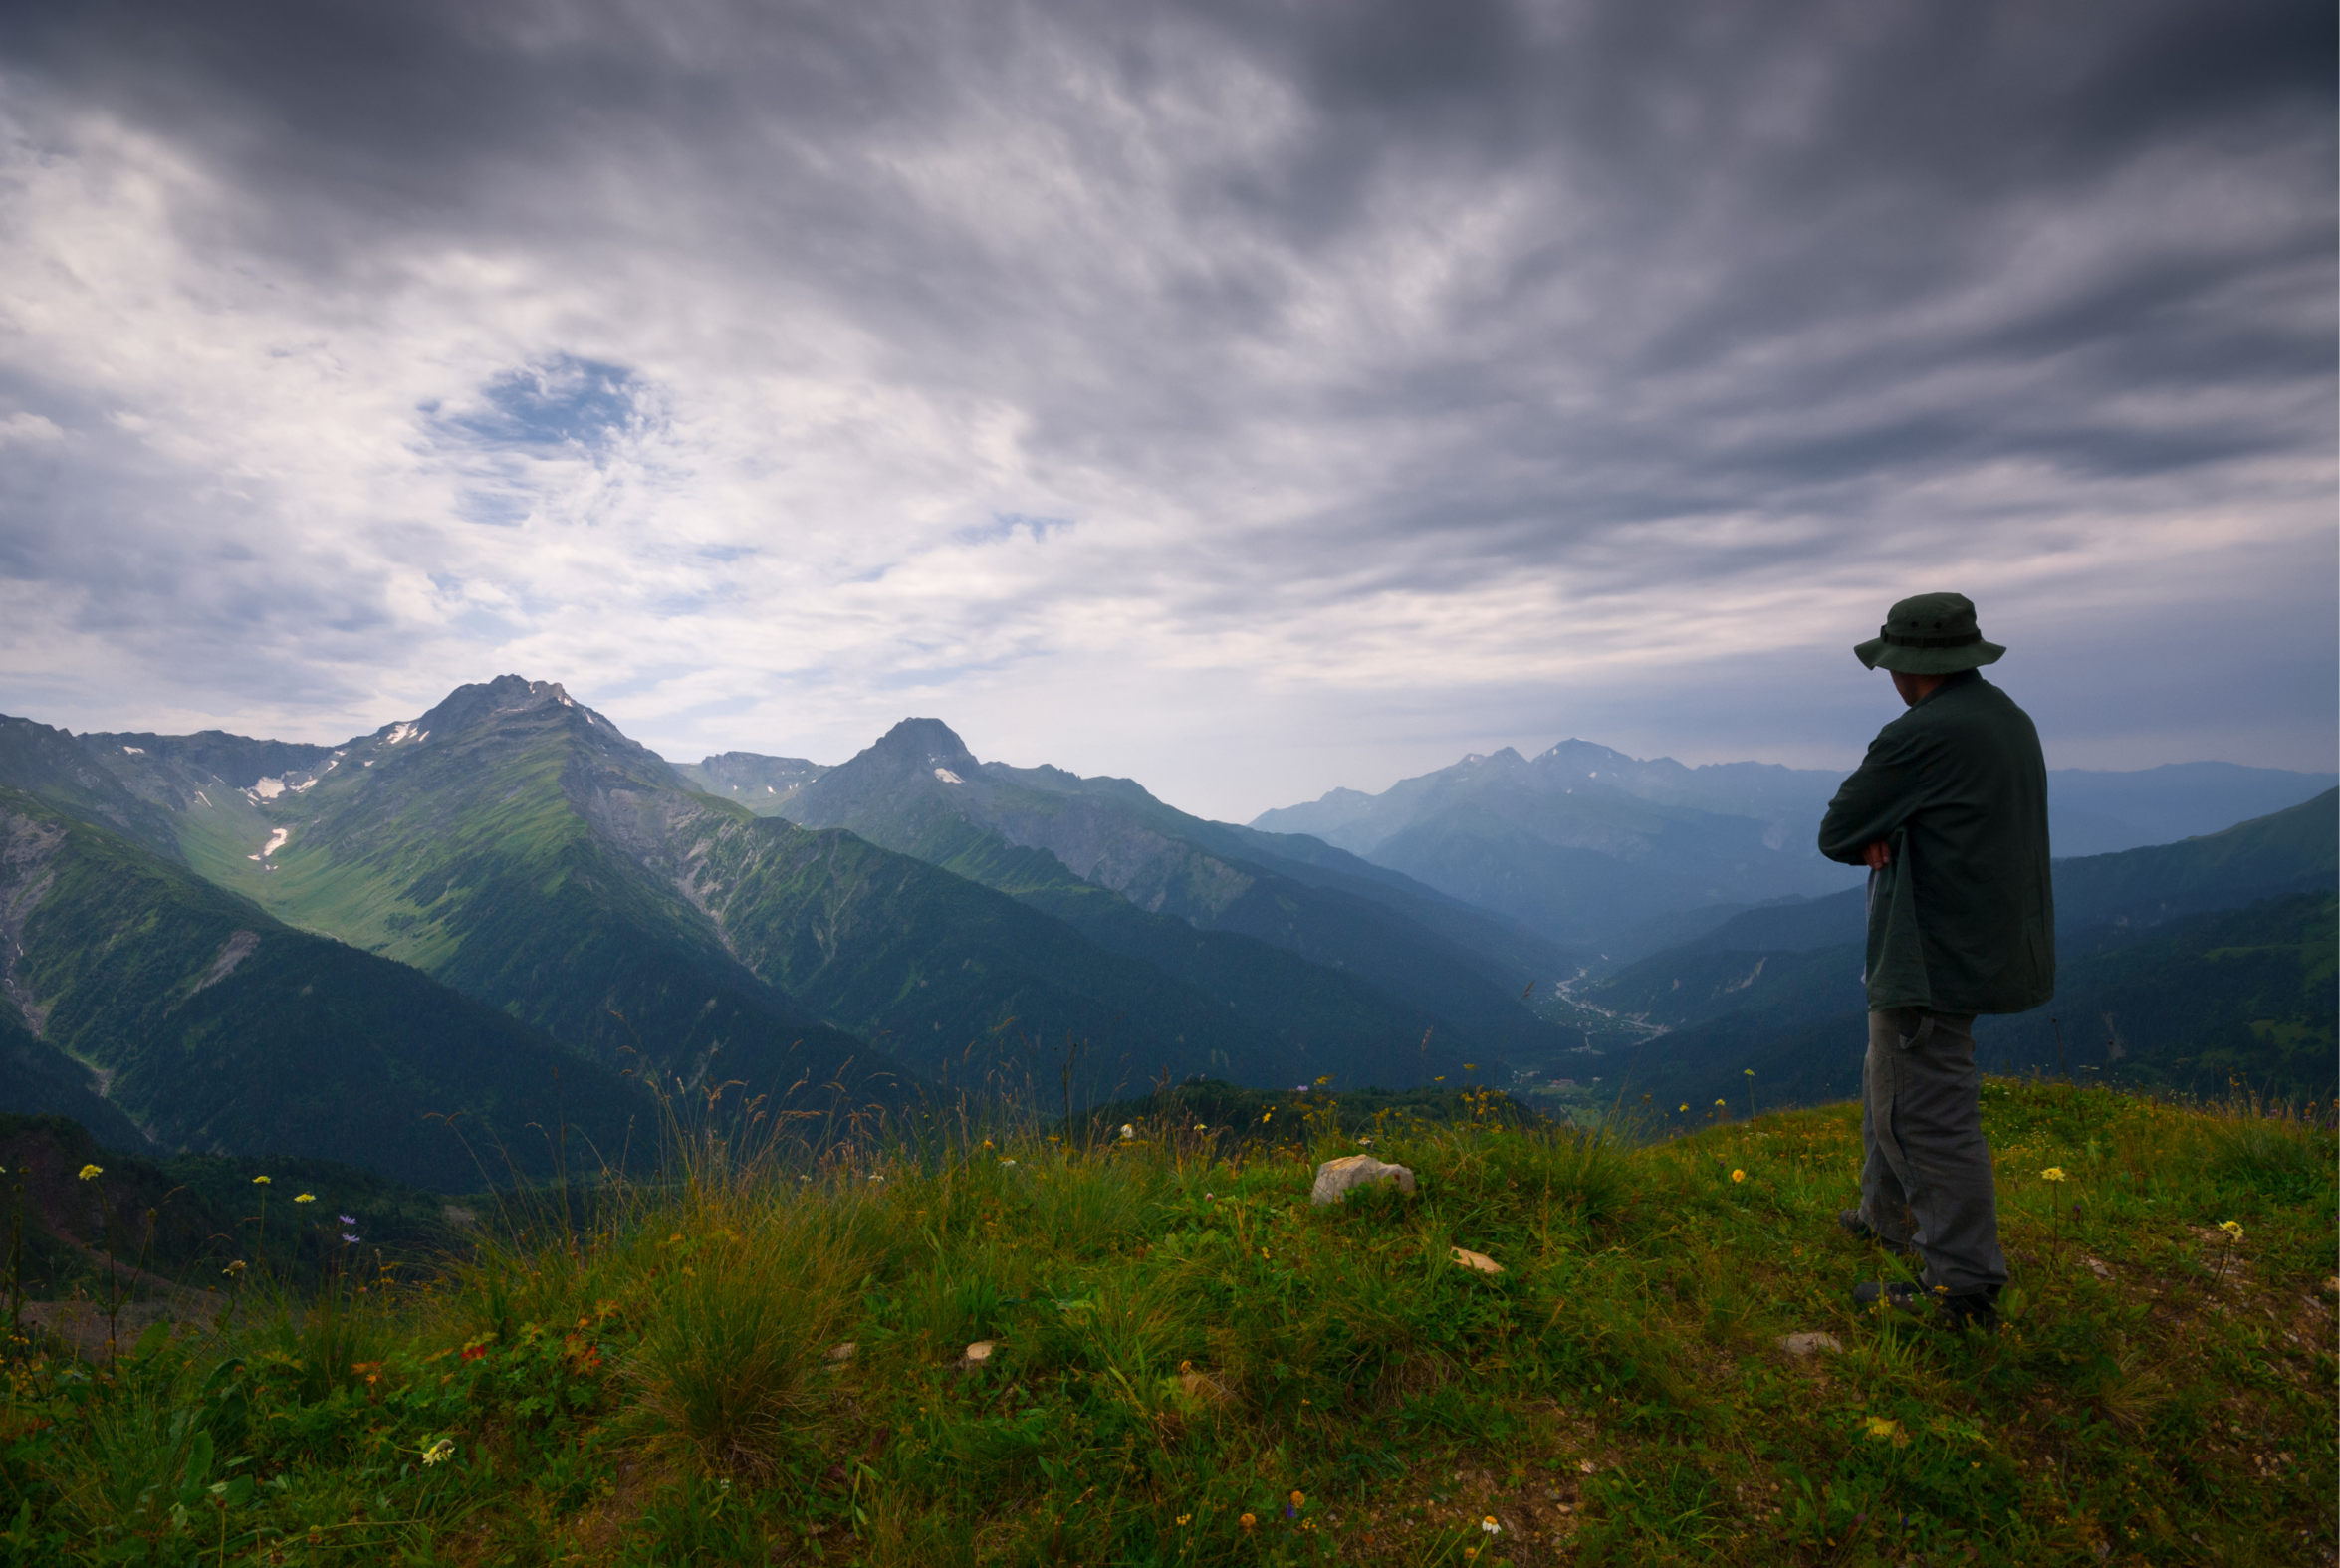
(739, 1306)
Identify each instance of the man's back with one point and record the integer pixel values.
(1962, 920)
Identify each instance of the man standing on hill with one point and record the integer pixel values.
(1949, 812)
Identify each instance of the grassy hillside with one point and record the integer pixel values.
(206, 1024)
(1157, 1352)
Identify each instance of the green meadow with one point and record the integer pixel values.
(1078, 1346)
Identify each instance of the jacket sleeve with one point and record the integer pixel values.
(1880, 797)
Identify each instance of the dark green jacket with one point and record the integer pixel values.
(1964, 919)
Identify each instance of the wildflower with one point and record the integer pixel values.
(1749, 1072)
(1738, 1175)
(1884, 1429)
(306, 1197)
(90, 1173)
(1718, 1102)
(1200, 1127)
(1470, 1066)
(1006, 1162)
(351, 1240)
(259, 1181)
(2054, 1172)
(1490, 1526)
(1248, 1521)
(1685, 1105)
(1184, 1517)
(1128, 1131)
(2234, 1230)
(1264, 1115)
(474, 1352)
(439, 1453)
(234, 1271)
(346, 1219)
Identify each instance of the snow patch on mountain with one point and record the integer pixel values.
(944, 774)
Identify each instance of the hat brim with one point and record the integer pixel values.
(1878, 654)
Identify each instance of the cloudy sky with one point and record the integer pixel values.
(1245, 397)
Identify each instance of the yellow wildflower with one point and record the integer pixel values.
(438, 1452)
(2054, 1172)
(1248, 1521)
(306, 1197)
(259, 1181)
(90, 1173)
(2234, 1228)
(1738, 1175)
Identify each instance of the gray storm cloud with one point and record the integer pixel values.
(1248, 398)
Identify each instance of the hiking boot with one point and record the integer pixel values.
(1850, 1220)
(1977, 1310)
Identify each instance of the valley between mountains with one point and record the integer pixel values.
(420, 949)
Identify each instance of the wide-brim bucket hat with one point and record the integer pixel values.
(1931, 634)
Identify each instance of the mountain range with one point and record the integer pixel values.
(500, 936)
(507, 885)
(1597, 849)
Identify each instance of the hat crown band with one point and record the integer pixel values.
(1896, 639)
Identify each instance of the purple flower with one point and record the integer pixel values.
(346, 1219)
(351, 1240)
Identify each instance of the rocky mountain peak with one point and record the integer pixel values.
(921, 746)
(477, 702)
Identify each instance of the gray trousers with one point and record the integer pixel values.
(1926, 1173)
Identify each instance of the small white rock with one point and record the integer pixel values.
(1335, 1179)
(1478, 1261)
(1803, 1345)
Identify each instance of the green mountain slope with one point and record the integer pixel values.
(1054, 839)
(52, 766)
(517, 847)
(1504, 951)
(936, 965)
(202, 1024)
